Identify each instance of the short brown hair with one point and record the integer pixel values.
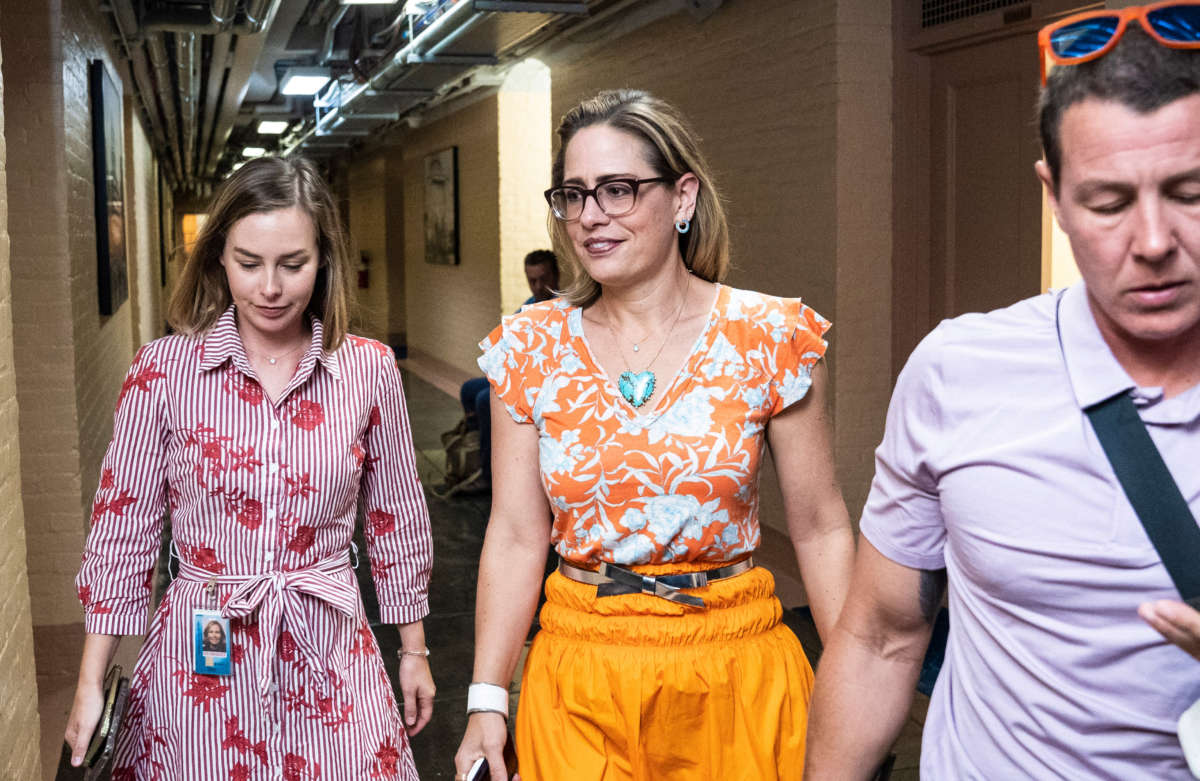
(674, 151)
(1139, 73)
(266, 184)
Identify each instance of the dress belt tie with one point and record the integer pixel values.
(611, 580)
(275, 594)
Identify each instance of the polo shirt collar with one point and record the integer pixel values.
(1095, 373)
(223, 343)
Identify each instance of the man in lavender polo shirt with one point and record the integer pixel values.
(1069, 655)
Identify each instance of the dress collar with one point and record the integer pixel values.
(223, 343)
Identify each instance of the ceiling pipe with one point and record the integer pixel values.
(187, 77)
(125, 19)
(217, 70)
(162, 77)
(330, 32)
(223, 13)
(418, 46)
(241, 69)
(258, 12)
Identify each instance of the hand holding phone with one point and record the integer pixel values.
(481, 770)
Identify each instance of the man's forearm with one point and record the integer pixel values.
(860, 702)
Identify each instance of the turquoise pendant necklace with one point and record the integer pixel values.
(638, 387)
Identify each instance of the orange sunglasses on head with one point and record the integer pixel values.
(1092, 34)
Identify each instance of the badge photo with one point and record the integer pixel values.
(211, 643)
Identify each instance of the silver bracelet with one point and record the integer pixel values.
(403, 653)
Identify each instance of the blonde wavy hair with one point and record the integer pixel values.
(266, 184)
(673, 152)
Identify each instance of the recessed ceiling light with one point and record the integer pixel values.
(253, 151)
(304, 81)
(272, 127)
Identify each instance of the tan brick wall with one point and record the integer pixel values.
(103, 346)
(450, 308)
(524, 138)
(864, 240)
(141, 188)
(32, 37)
(394, 213)
(18, 690)
(367, 193)
(69, 360)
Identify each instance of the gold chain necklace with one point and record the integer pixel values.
(638, 387)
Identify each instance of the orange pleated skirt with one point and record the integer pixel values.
(637, 687)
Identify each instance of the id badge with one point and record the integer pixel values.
(210, 639)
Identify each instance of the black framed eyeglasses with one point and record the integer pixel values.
(614, 197)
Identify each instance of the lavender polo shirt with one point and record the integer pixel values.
(990, 468)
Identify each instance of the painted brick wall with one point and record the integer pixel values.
(44, 354)
(450, 308)
(524, 137)
(18, 690)
(70, 361)
(864, 240)
(367, 186)
(145, 278)
(394, 213)
(103, 345)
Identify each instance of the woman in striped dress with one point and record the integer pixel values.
(262, 427)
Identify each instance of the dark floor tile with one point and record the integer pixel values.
(800, 621)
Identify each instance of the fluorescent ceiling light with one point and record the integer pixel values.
(272, 127)
(304, 81)
(253, 151)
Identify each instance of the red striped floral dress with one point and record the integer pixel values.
(263, 499)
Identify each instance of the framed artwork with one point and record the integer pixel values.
(441, 207)
(108, 167)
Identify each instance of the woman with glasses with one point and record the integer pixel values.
(630, 418)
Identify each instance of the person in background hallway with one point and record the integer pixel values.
(541, 272)
(262, 426)
(1070, 654)
(635, 410)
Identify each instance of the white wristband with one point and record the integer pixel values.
(487, 698)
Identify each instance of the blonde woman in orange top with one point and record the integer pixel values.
(629, 422)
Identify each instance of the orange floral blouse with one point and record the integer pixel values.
(677, 480)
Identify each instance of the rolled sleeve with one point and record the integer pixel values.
(115, 577)
(397, 529)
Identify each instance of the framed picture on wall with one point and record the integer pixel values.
(108, 166)
(441, 207)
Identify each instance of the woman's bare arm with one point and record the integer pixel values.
(510, 576)
(818, 524)
(98, 652)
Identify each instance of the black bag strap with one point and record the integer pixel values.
(1151, 490)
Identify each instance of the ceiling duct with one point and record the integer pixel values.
(162, 77)
(257, 14)
(215, 17)
(188, 77)
(223, 13)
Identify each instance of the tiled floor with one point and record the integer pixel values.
(458, 526)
